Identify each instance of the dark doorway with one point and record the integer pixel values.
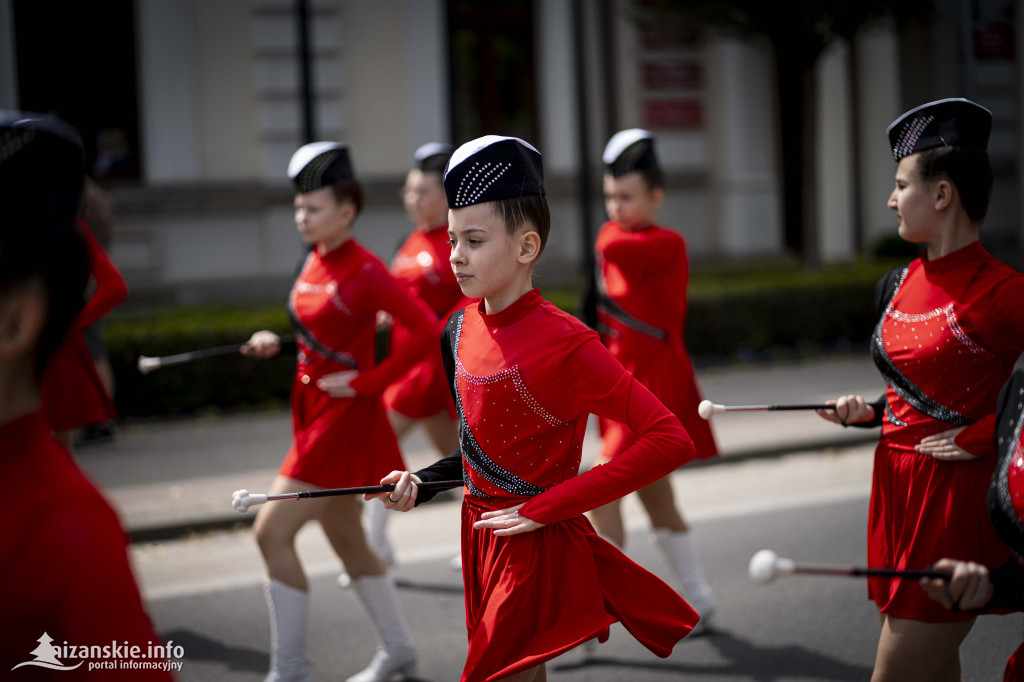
(493, 76)
(77, 60)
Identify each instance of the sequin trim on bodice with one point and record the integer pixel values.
(306, 335)
(472, 453)
(906, 389)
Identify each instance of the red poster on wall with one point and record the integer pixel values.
(675, 114)
(672, 74)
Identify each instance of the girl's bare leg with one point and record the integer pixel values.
(914, 651)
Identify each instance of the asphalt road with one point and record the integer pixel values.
(205, 591)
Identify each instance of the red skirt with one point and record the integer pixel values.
(73, 395)
(670, 377)
(423, 391)
(339, 442)
(533, 596)
(922, 510)
(1015, 666)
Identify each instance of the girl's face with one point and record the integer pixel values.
(485, 258)
(322, 220)
(629, 201)
(424, 199)
(913, 199)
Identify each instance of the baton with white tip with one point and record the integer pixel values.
(765, 566)
(707, 409)
(241, 500)
(148, 364)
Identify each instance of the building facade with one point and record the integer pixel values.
(190, 110)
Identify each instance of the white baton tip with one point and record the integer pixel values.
(241, 500)
(762, 568)
(147, 364)
(706, 409)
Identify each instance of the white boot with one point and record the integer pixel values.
(375, 523)
(289, 618)
(681, 551)
(398, 654)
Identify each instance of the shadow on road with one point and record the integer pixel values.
(430, 588)
(744, 660)
(201, 647)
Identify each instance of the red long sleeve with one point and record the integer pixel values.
(527, 378)
(420, 323)
(110, 286)
(596, 383)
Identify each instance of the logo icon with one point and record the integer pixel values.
(46, 656)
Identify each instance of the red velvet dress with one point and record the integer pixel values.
(641, 318)
(945, 344)
(527, 378)
(341, 442)
(64, 567)
(422, 264)
(73, 394)
(1006, 507)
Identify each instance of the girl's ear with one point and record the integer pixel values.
(348, 212)
(22, 318)
(943, 194)
(529, 247)
(657, 196)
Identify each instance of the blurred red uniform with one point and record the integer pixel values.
(73, 395)
(422, 264)
(63, 562)
(334, 302)
(642, 318)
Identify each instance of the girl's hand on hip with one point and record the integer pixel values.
(943, 446)
(507, 522)
(337, 385)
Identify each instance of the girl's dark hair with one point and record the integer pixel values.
(969, 171)
(522, 211)
(349, 190)
(653, 177)
(61, 263)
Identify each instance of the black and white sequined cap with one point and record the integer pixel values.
(493, 167)
(319, 164)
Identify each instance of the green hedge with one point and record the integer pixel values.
(764, 314)
(738, 312)
(226, 382)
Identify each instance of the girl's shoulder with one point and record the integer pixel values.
(369, 262)
(563, 325)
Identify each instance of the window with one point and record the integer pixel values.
(493, 82)
(81, 67)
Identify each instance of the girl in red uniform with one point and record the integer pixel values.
(421, 395)
(73, 393)
(342, 436)
(64, 570)
(973, 586)
(524, 375)
(422, 264)
(951, 327)
(643, 272)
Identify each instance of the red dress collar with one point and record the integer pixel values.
(20, 432)
(337, 252)
(523, 305)
(967, 254)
